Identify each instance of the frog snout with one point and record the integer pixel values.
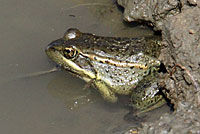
(54, 45)
(49, 48)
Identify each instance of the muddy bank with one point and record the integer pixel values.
(179, 22)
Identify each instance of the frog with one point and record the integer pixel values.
(113, 65)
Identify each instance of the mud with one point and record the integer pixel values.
(179, 22)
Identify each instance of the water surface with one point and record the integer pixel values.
(44, 104)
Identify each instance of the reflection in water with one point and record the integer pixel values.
(73, 94)
(26, 106)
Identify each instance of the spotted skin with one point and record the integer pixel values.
(113, 65)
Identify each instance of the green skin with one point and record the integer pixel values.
(113, 65)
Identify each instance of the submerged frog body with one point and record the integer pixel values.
(124, 66)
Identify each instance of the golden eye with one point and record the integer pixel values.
(70, 53)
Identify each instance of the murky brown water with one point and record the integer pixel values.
(42, 105)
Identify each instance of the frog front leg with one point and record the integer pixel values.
(105, 91)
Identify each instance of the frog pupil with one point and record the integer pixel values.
(69, 53)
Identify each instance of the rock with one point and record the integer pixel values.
(151, 11)
(179, 22)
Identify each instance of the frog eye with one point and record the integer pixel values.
(70, 53)
(71, 33)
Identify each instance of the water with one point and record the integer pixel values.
(44, 104)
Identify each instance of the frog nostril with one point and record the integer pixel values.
(49, 48)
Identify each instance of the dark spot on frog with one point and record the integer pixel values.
(141, 68)
(95, 58)
(107, 71)
(107, 62)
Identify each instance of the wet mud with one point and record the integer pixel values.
(179, 23)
